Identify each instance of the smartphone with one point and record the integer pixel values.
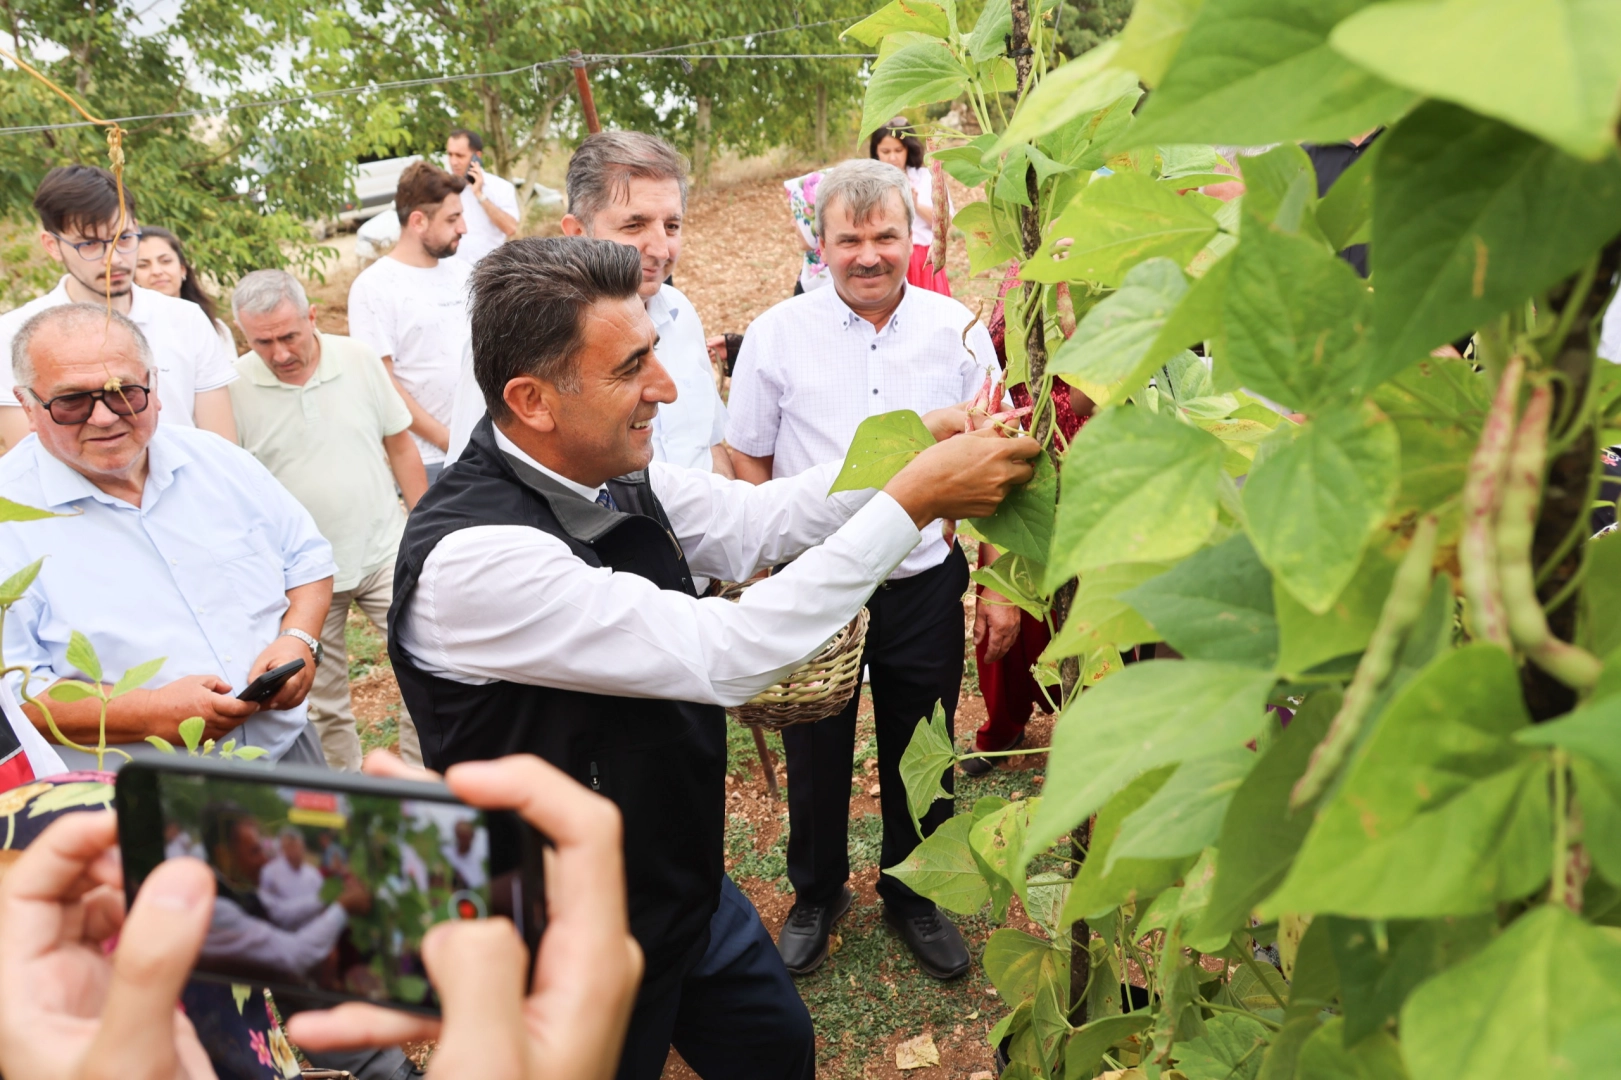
(265, 686)
(478, 159)
(328, 881)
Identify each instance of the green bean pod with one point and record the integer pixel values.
(1516, 527)
(1477, 547)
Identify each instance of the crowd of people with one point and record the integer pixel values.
(518, 465)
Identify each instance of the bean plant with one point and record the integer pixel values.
(1362, 815)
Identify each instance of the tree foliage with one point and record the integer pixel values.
(1402, 561)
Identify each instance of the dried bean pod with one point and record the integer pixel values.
(1477, 548)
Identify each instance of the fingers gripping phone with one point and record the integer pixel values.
(265, 686)
(327, 881)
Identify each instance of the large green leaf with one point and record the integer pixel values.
(997, 840)
(1150, 714)
(1013, 961)
(1326, 1056)
(1314, 499)
(1379, 967)
(918, 74)
(963, 162)
(1230, 1049)
(1600, 800)
(912, 16)
(1112, 338)
(1438, 406)
(1106, 881)
(1183, 817)
(1117, 222)
(1345, 214)
(1215, 606)
(1547, 66)
(1441, 813)
(1600, 618)
(924, 762)
(943, 869)
(880, 448)
(1296, 319)
(1471, 217)
(1097, 615)
(989, 245)
(1023, 524)
(1259, 835)
(988, 38)
(1253, 72)
(1149, 495)
(1593, 731)
(1084, 85)
(1153, 35)
(1308, 639)
(1501, 1014)
(1092, 1040)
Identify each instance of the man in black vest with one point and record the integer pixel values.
(544, 603)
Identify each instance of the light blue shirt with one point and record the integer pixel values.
(198, 573)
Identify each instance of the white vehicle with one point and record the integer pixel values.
(375, 182)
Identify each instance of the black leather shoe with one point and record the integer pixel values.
(802, 944)
(934, 940)
(979, 766)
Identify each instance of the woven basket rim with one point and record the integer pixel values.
(816, 689)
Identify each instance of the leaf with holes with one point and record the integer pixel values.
(918, 74)
(943, 869)
(1116, 223)
(924, 764)
(881, 447)
(1108, 346)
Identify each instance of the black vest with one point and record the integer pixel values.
(662, 762)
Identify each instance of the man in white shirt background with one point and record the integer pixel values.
(289, 884)
(489, 203)
(810, 370)
(80, 220)
(170, 543)
(544, 604)
(411, 305)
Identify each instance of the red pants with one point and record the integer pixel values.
(1010, 690)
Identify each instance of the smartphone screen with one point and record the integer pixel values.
(326, 888)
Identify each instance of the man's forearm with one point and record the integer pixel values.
(721, 461)
(406, 465)
(499, 217)
(212, 412)
(307, 607)
(756, 470)
(131, 717)
(423, 423)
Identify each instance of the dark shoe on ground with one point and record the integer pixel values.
(934, 940)
(979, 766)
(802, 944)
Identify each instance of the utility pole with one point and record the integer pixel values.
(588, 104)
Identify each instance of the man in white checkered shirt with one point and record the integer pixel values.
(811, 369)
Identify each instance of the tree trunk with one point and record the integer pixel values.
(821, 121)
(1566, 495)
(700, 142)
(532, 152)
(495, 134)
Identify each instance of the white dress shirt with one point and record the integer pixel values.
(1609, 345)
(292, 896)
(237, 938)
(417, 316)
(507, 602)
(685, 429)
(186, 348)
(483, 236)
(198, 573)
(811, 370)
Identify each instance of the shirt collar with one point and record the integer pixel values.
(259, 373)
(663, 308)
(849, 318)
(63, 485)
(509, 447)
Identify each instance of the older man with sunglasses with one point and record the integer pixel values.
(94, 235)
(166, 542)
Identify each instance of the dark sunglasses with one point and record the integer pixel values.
(76, 408)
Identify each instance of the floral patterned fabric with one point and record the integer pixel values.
(235, 1023)
(801, 191)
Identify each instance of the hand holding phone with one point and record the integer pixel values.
(265, 686)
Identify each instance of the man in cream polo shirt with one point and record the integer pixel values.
(320, 412)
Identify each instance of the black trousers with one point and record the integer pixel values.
(914, 655)
(734, 1016)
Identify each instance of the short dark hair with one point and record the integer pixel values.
(899, 128)
(424, 184)
(474, 142)
(81, 197)
(528, 296)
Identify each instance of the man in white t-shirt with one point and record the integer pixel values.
(492, 211)
(80, 218)
(631, 188)
(411, 305)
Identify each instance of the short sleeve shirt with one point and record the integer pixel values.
(187, 348)
(419, 317)
(482, 235)
(324, 442)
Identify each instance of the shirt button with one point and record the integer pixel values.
(875, 391)
(875, 345)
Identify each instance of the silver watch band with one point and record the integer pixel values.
(313, 643)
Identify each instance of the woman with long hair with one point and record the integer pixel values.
(897, 144)
(161, 265)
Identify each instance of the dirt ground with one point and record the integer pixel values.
(741, 255)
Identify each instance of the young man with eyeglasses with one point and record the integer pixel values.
(169, 543)
(83, 227)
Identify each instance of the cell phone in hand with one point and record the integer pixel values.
(328, 881)
(265, 686)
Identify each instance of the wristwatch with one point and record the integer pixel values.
(315, 645)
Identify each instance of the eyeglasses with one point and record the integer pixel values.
(76, 408)
(91, 250)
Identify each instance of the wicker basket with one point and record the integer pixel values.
(816, 689)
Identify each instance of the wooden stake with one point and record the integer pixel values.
(588, 104)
